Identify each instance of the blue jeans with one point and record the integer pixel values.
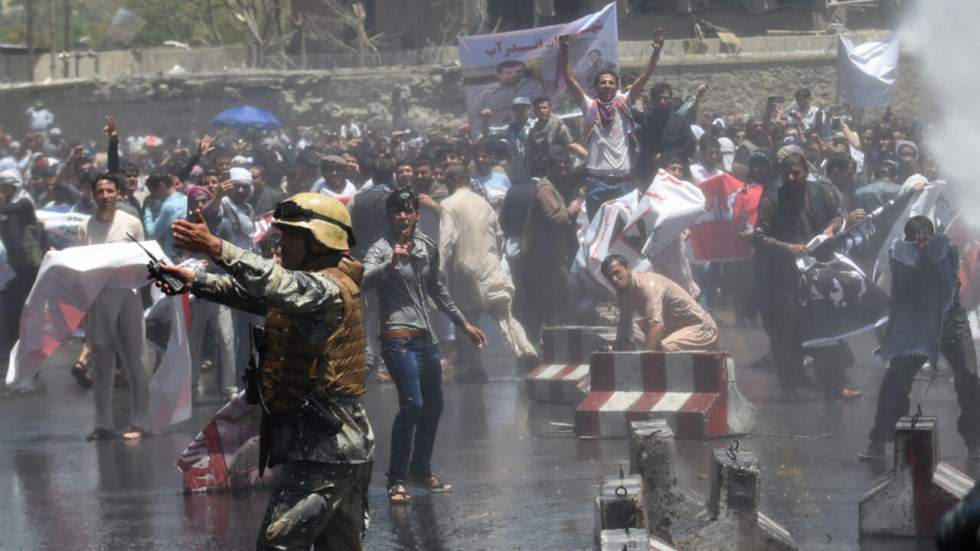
(415, 369)
(598, 192)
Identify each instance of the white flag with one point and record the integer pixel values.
(868, 71)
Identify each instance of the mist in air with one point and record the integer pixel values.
(942, 35)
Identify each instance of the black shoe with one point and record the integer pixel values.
(101, 434)
(874, 452)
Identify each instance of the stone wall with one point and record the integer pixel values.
(172, 105)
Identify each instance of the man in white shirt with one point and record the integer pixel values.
(41, 118)
(609, 129)
(802, 110)
(332, 181)
(114, 325)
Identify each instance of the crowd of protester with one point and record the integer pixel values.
(503, 203)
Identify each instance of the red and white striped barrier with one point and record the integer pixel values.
(694, 391)
(911, 499)
(563, 376)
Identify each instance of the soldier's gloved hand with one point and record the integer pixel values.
(184, 274)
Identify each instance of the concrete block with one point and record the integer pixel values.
(629, 540)
(695, 391)
(910, 500)
(731, 521)
(619, 504)
(563, 376)
(652, 453)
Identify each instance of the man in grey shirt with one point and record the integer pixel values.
(404, 268)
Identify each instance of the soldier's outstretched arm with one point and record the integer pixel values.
(255, 278)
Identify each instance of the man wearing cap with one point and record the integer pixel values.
(237, 226)
(404, 267)
(332, 181)
(312, 372)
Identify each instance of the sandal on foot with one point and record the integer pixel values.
(134, 434)
(80, 372)
(398, 495)
(100, 434)
(431, 483)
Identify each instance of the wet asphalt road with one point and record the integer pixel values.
(520, 482)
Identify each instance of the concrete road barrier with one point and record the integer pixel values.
(652, 455)
(731, 521)
(695, 391)
(911, 499)
(631, 540)
(563, 376)
(619, 505)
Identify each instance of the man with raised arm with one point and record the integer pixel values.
(608, 128)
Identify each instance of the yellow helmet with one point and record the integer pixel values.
(325, 217)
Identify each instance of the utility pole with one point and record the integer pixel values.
(51, 36)
(66, 28)
(29, 35)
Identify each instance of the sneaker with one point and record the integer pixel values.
(874, 452)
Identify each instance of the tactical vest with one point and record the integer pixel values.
(294, 366)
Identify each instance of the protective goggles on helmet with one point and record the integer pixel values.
(289, 211)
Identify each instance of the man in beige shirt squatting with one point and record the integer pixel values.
(655, 313)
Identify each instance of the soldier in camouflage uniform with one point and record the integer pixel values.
(312, 368)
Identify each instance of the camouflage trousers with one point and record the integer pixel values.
(315, 504)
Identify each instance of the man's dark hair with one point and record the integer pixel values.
(668, 158)
(795, 160)
(918, 228)
(539, 100)
(887, 168)
(113, 177)
(803, 93)
(608, 262)
(130, 168)
(838, 161)
(309, 159)
(595, 51)
(421, 160)
(402, 199)
(510, 63)
(384, 169)
(598, 75)
(708, 141)
(487, 145)
(660, 88)
(158, 179)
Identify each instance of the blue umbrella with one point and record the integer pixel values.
(246, 116)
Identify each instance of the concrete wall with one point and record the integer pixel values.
(15, 66)
(739, 83)
(114, 64)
